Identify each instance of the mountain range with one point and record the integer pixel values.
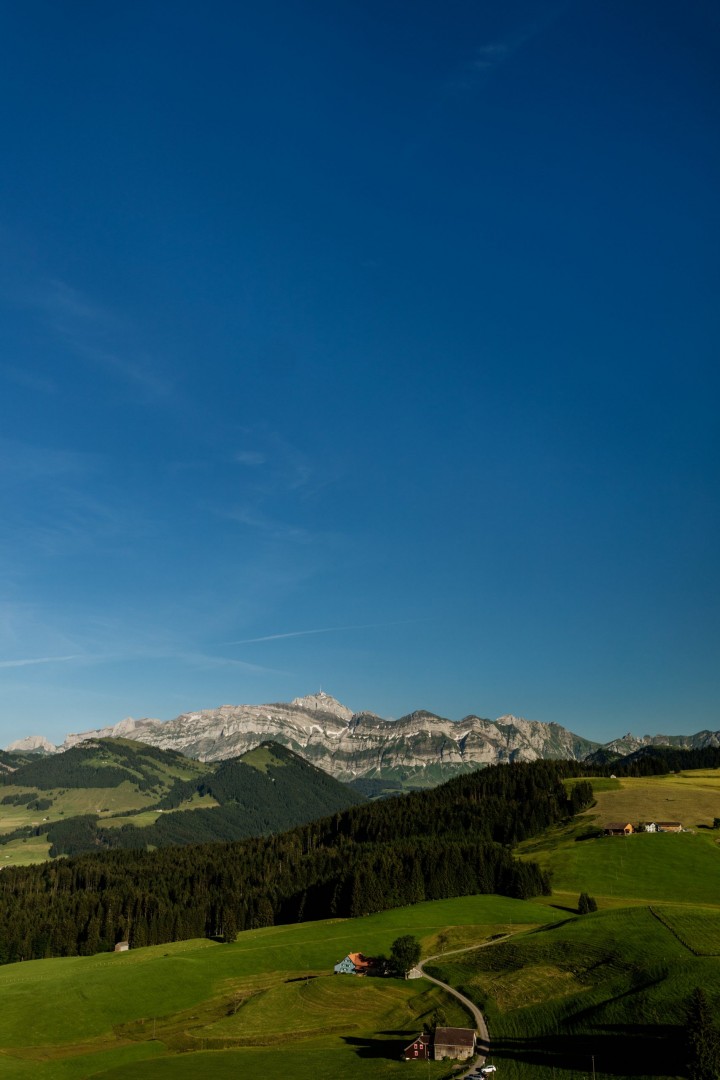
(419, 749)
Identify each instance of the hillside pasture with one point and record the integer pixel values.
(155, 1012)
(149, 817)
(691, 797)
(612, 986)
(25, 851)
(669, 868)
(697, 928)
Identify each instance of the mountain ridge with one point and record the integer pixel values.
(418, 749)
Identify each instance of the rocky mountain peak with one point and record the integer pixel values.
(324, 703)
(32, 744)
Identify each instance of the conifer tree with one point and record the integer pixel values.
(703, 1039)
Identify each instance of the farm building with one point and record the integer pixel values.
(444, 1042)
(618, 828)
(669, 826)
(122, 946)
(354, 964)
(452, 1042)
(420, 1050)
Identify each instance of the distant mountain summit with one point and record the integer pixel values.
(418, 750)
(325, 703)
(33, 744)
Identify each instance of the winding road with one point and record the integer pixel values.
(483, 1042)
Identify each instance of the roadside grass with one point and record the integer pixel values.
(612, 986)
(355, 1058)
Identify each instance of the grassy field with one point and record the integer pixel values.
(561, 993)
(190, 1008)
(690, 797)
(612, 987)
(669, 868)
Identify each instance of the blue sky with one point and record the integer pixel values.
(363, 346)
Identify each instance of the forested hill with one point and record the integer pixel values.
(10, 761)
(450, 841)
(165, 797)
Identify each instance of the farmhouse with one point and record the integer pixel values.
(452, 1042)
(420, 1050)
(669, 826)
(353, 964)
(618, 828)
(445, 1042)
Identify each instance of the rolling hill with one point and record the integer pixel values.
(113, 793)
(563, 994)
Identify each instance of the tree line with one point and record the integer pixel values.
(450, 841)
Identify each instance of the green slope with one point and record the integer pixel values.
(613, 986)
(112, 793)
(642, 867)
(150, 1012)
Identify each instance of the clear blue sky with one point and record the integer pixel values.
(365, 345)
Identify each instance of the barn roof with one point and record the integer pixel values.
(452, 1036)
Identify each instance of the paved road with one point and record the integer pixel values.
(483, 1036)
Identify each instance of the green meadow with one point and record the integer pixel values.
(563, 994)
(608, 990)
(200, 1008)
(667, 867)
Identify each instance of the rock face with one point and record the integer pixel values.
(420, 747)
(33, 744)
(629, 743)
(125, 729)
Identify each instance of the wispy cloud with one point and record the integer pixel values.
(490, 56)
(254, 518)
(28, 661)
(250, 457)
(207, 660)
(95, 334)
(37, 384)
(321, 630)
(28, 462)
(286, 468)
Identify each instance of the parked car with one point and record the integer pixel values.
(487, 1069)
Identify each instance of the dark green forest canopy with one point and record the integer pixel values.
(270, 789)
(451, 841)
(97, 763)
